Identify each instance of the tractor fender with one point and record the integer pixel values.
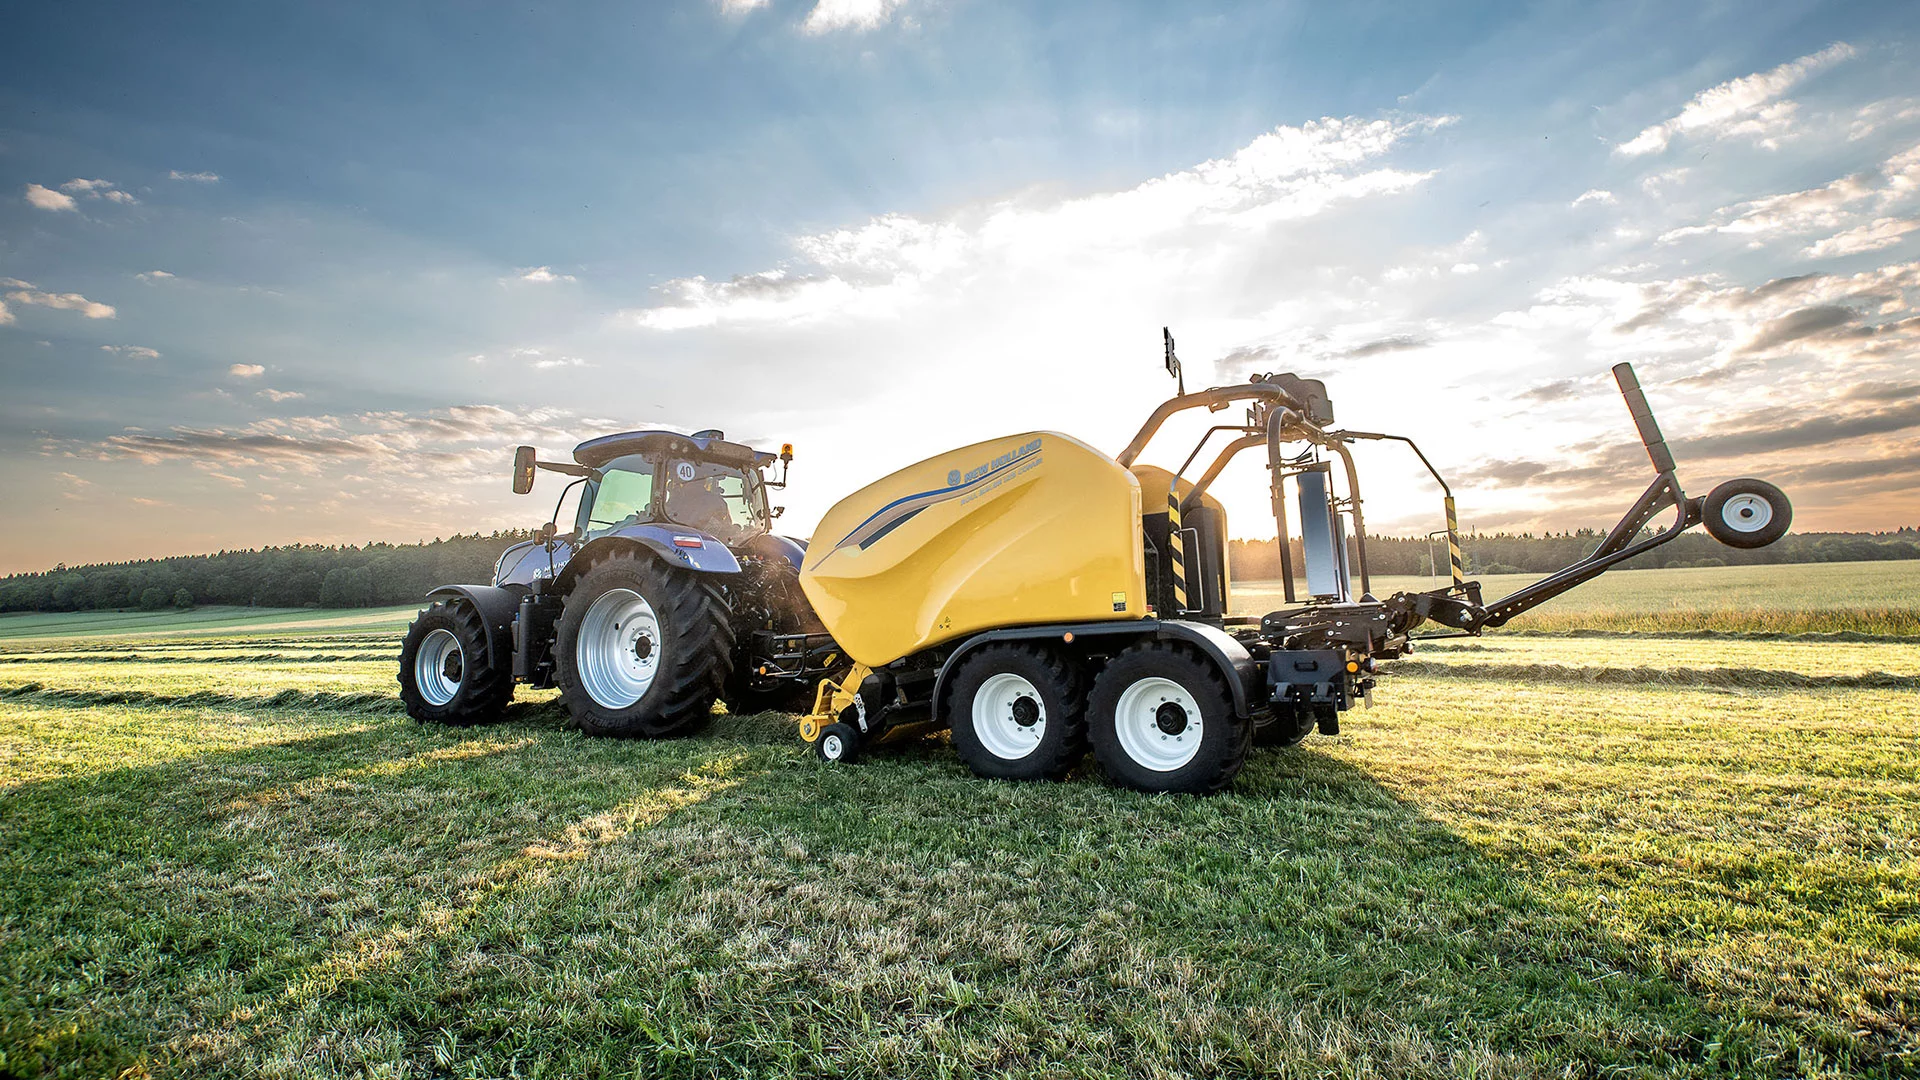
(1227, 654)
(528, 560)
(497, 607)
(711, 557)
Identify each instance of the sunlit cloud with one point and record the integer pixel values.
(855, 15)
(1748, 106)
(48, 199)
(25, 293)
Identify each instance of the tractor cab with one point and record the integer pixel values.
(700, 481)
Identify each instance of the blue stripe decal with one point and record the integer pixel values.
(937, 495)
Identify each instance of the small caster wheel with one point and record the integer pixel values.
(837, 742)
(1747, 513)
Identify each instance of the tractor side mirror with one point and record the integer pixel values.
(778, 510)
(523, 465)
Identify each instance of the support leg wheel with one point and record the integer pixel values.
(837, 743)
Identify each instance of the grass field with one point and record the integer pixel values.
(226, 852)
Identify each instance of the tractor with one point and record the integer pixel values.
(669, 591)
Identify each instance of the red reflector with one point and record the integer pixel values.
(688, 541)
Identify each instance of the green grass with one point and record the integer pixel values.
(231, 855)
(19, 628)
(1872, 598)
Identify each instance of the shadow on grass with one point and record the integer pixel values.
(435, 901)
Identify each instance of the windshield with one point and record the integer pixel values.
(624, 495)
(719, 500)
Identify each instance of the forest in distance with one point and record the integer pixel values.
(383, 575)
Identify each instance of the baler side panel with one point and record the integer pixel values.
(1026, 529)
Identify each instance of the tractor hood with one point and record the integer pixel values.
(597, 452)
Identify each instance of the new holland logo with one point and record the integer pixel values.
(953, 477)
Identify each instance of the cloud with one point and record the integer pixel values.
(1881, 233)
(278, 396)
(59, 301)
(1744, 106)
(1830, 206)
(49, 199)
(137, 352)
(891, 263)
(734, 8)
(1594, 195)
(541, 274)
(153, 275)
(1396, 343)
(1793, 326)
(195, 177)
(558, 362)
(246, 371)
(440, 450)
(856, 15)
(97, 189)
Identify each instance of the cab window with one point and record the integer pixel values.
(623, 496)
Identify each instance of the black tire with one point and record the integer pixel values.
(1747, 513)
(479, 691)
(1224, 738)
(1057, 707)
(837, 744)
(694, 649)
(1290, 726)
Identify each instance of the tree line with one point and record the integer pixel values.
(380, 575)
(1530, 553)
(303, 575)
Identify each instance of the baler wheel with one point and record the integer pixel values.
(643, 649)
(1018, 712)
(1162, 719)
(1289, 727)
(444, 674)
(1747, 513)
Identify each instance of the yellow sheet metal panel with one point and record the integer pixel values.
(1026, 529)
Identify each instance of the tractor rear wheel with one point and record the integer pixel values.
(444, 674)
(642, 648)
(1018, 713)
(1162, 719)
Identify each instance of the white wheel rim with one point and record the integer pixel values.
(438, 667)
(1137, 720)
(831, 747)
(1746, 513)
(1008, 729)
(608, 654)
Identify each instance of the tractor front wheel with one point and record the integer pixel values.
(444, 674)
(1162, 719)
(642, 649)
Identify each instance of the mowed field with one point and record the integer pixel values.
(1612, 846)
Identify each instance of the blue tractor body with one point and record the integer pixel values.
(669, 575)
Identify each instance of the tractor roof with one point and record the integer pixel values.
(708, 444)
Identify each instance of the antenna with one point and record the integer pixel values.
(1173, 362)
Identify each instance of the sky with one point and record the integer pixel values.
(278, 273)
